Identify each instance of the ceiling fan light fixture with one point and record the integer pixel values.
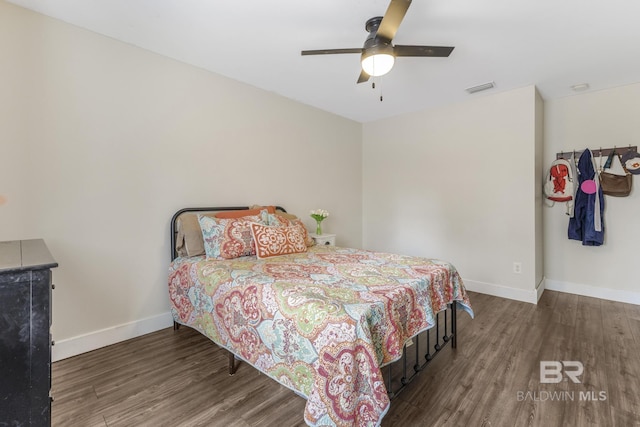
(378, 54)
(378, 61)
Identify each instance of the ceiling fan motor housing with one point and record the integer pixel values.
(373, 41)
(372, 24)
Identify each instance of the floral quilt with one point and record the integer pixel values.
(321, 322)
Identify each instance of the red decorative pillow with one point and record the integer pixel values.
(227, 237)
(274, 241)
(237, 240)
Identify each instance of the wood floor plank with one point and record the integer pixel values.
(162, 406)
(621, 359)
(490, 320)
(179, 378)
(548, 300)
(269, 408)
(498, 399)
(624, 419)
(587, 345)
(632, 312)
(534, 408)
(67, 405)
(566, 305)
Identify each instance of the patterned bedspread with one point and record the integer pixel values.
(321, 323)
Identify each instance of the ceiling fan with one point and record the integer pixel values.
(378, 53)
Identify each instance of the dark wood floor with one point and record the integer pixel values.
(180, 378)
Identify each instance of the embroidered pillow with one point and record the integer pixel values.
(227, 238)
(273, 241)
(282, 221)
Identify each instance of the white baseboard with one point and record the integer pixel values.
(83, 343)
(530, 296)
(540, 289)
(593, 291)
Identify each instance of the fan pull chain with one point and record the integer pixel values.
(381, 97)
(373, 86)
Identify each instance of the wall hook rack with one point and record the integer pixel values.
(597, 152)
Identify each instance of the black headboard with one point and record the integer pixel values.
(174, 231)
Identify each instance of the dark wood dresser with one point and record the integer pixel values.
(25, 338)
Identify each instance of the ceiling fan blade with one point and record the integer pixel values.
(330, 51)
(435, 51)
(392, 19)
(363, 77)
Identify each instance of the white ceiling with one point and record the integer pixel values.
(552, 44)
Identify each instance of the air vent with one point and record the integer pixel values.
(580, 87)
(481, 87)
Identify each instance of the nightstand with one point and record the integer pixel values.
(324, 239)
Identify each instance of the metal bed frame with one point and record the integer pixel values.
(426, 345)
(420, 351)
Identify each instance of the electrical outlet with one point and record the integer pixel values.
(517, 267)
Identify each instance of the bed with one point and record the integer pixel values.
(346, 329)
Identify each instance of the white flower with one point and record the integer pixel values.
(319, 214)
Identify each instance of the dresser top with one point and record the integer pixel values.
(19, 255)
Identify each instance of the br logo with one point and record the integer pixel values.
(551, 371)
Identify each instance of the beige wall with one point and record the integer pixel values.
(102, 142)
(604, 118)
(459, 183)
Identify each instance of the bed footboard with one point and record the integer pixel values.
(422, 349)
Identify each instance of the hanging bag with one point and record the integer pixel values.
(616, 185)
(559, 184)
